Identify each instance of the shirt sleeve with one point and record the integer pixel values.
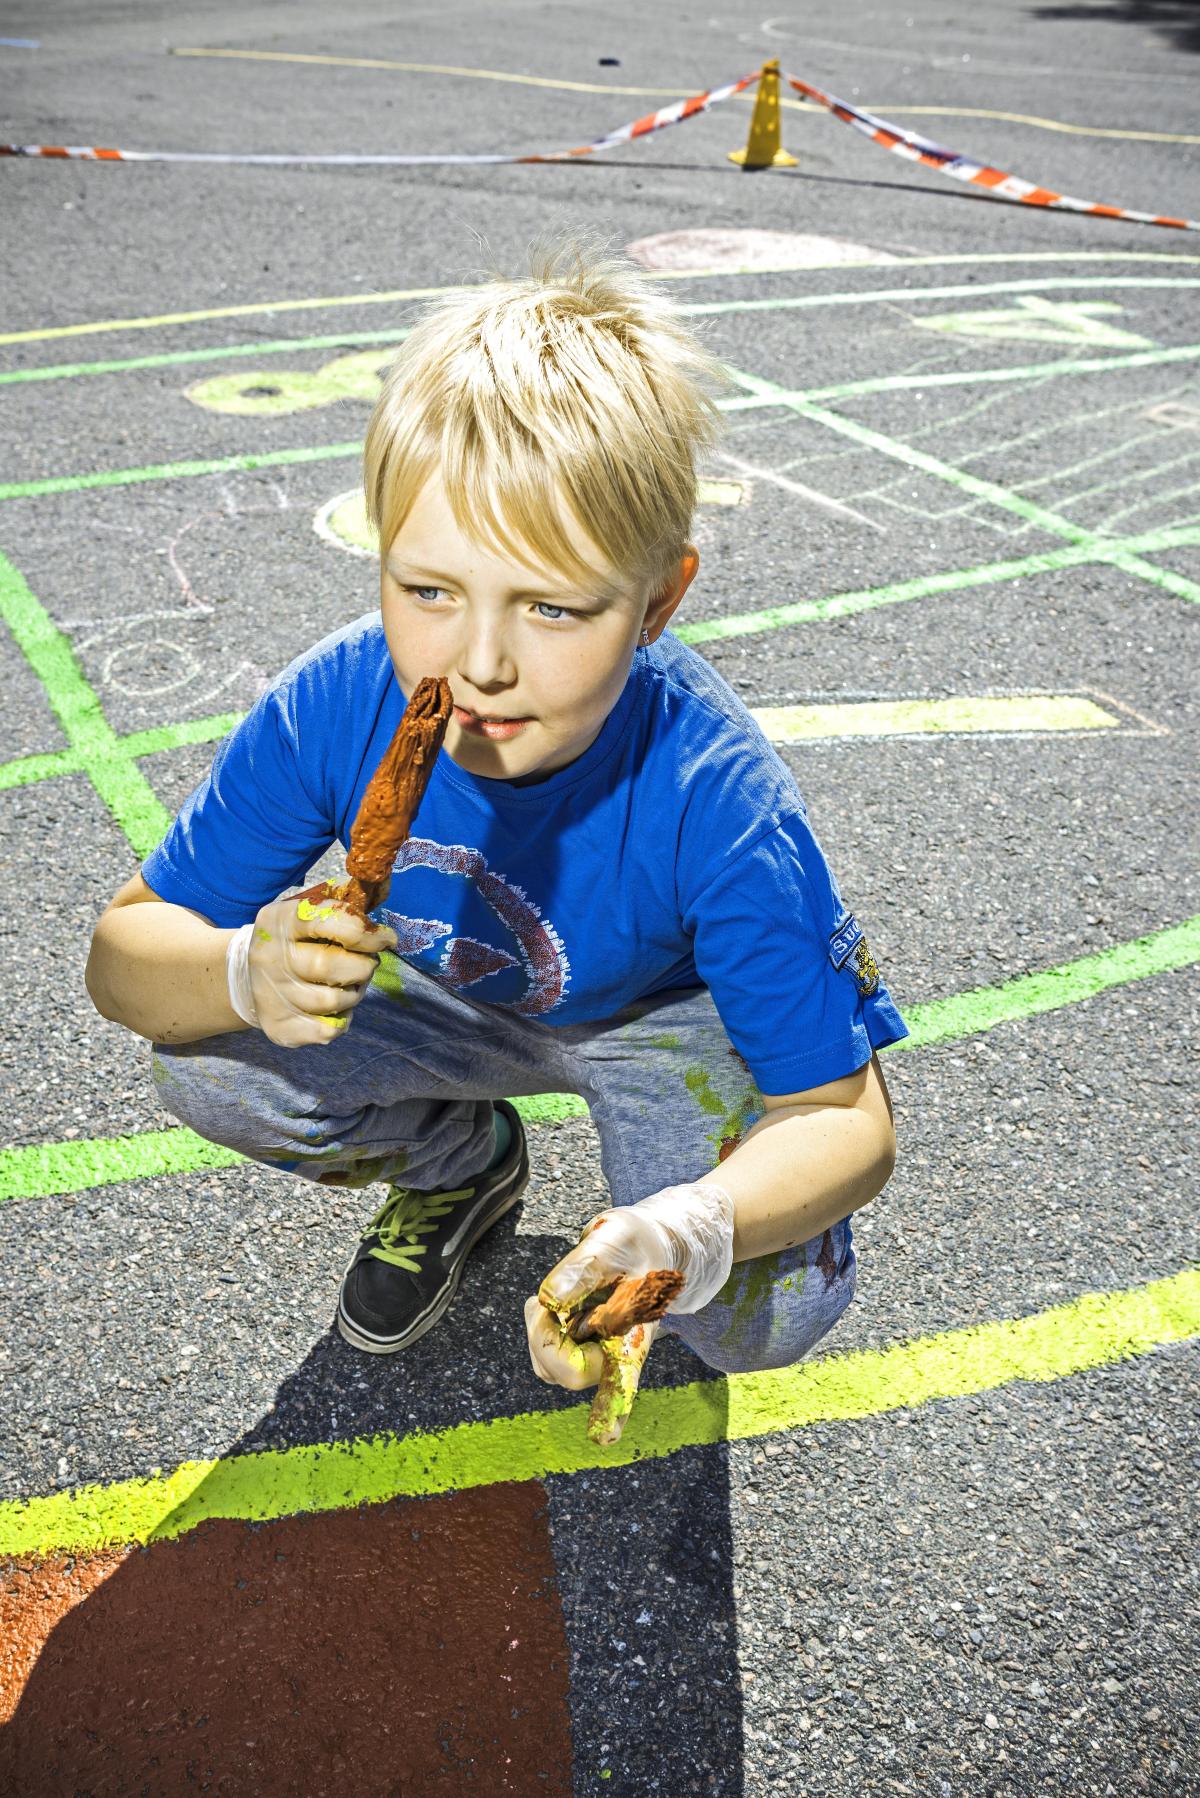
(789, 968)
(251, 829)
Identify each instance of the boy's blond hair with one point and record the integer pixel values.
(579, 384)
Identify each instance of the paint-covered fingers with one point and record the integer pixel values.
(300, 969)
(615, 1245)
(624, 1357)
(328, 922)
(555, 1358)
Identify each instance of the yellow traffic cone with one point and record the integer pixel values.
(764, 147)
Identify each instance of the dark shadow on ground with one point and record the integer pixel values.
(937, 188)
(572, 1637)
(1178, 21)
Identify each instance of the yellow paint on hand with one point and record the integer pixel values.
(264, 936)
(306, 911)
(934, 717)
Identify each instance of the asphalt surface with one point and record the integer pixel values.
(986, 1595)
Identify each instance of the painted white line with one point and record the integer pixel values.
(810, 494)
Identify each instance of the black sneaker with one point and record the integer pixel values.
(406, 1269)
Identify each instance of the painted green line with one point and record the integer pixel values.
(176, 736)
(975, 485)
(25, 769)
(175, 471)
(760, 394)
(28, 768)
(161, 321)
(48, 1169)
(68, 1167)
(906, 295)
(865, 599)
(282, 346)
(119, 782)
(1050, 989)
(1099, 1329)
(1166, 578)
(841, 605)
(933, 717)
(973, 377)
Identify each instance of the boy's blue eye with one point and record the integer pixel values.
(544, 606)
(425, 593)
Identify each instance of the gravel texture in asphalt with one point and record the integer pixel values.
(993, 1594)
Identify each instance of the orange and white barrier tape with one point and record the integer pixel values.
(948, 162)
(675, 114)
(909, 144)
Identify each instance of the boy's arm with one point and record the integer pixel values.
(159, 969)
(814, 1158)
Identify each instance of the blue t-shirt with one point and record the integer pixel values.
(674, 852)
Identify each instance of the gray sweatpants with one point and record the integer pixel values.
(404, 1094)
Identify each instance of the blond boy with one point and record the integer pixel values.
(612, 888)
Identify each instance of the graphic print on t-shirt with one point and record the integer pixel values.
(499, 943)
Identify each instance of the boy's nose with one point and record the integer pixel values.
(485, 663)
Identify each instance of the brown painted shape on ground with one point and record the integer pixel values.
(34, 1596)
(394, 1650)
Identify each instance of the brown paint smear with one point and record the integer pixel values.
(387, 1652)
(391, 799)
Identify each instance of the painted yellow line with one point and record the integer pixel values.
(1033, 118)
(157, 321)
(932, 717)
(1097, 1330)
(160, 320)
(439, 68)
(721, 493)
(673, 93)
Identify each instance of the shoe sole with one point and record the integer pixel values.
(359, 1338)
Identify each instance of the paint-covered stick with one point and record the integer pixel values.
(623, 1358)
(391, 799)
(621, 1319)
(630, 1302)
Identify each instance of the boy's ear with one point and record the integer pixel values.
(664, 602)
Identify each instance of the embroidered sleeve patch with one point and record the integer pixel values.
(848, 945)
(841, 943)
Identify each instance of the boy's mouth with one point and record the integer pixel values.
(483, 726)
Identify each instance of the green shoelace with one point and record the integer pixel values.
(404, 1216)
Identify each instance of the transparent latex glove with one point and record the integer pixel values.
(298, 971)
(689, 1228)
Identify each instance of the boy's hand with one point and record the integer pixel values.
(304, 968)
(614, 1246)
(615, 1366)
(555, 1357)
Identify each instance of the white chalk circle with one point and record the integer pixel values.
(342, 521)
(678, 252)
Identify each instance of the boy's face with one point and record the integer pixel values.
(534, 666)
